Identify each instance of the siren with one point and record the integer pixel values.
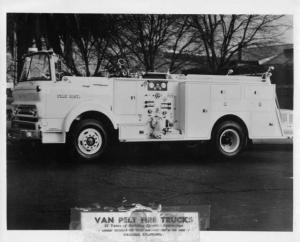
(32, 50)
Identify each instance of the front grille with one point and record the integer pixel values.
(29, 110)
(27, 119)
(22, 125)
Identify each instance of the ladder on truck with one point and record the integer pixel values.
(285, 120)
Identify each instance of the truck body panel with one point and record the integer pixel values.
(176, 108)
(193, 107)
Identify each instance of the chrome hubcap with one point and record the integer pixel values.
(229, 140)
(89, 141)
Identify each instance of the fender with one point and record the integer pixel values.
(244, 116)
(86, 107)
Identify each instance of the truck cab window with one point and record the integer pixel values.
(61, 69)
(36, 67)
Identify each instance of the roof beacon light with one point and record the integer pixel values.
(32, 50)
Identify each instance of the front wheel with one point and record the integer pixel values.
(88, 140)
(229, 139)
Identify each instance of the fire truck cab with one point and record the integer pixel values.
(86, 112)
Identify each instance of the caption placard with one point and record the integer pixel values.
(140, 226)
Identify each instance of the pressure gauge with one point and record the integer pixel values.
(151, 85)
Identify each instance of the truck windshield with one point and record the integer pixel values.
(36, 67)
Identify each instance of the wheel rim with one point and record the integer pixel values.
(89, 141)
(229, 140)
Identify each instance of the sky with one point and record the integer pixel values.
(287, 36)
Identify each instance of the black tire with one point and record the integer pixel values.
(88, 140)
(229, 138)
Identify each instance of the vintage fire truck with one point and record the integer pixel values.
(86, 112)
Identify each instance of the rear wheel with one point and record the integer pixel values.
(88, 140)
(229, 139)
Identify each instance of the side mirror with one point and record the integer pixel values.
(58, 66)
(230, 71)
(58, 70)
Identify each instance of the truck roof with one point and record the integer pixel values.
(205, 79)
(219, 78)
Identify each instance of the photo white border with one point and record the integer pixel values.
(149, 6)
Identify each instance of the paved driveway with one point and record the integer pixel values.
(253, 192)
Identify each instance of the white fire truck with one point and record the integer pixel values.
(86, 112)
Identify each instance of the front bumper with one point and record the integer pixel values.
(16, 132)
(24, 123)
(23, 134)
